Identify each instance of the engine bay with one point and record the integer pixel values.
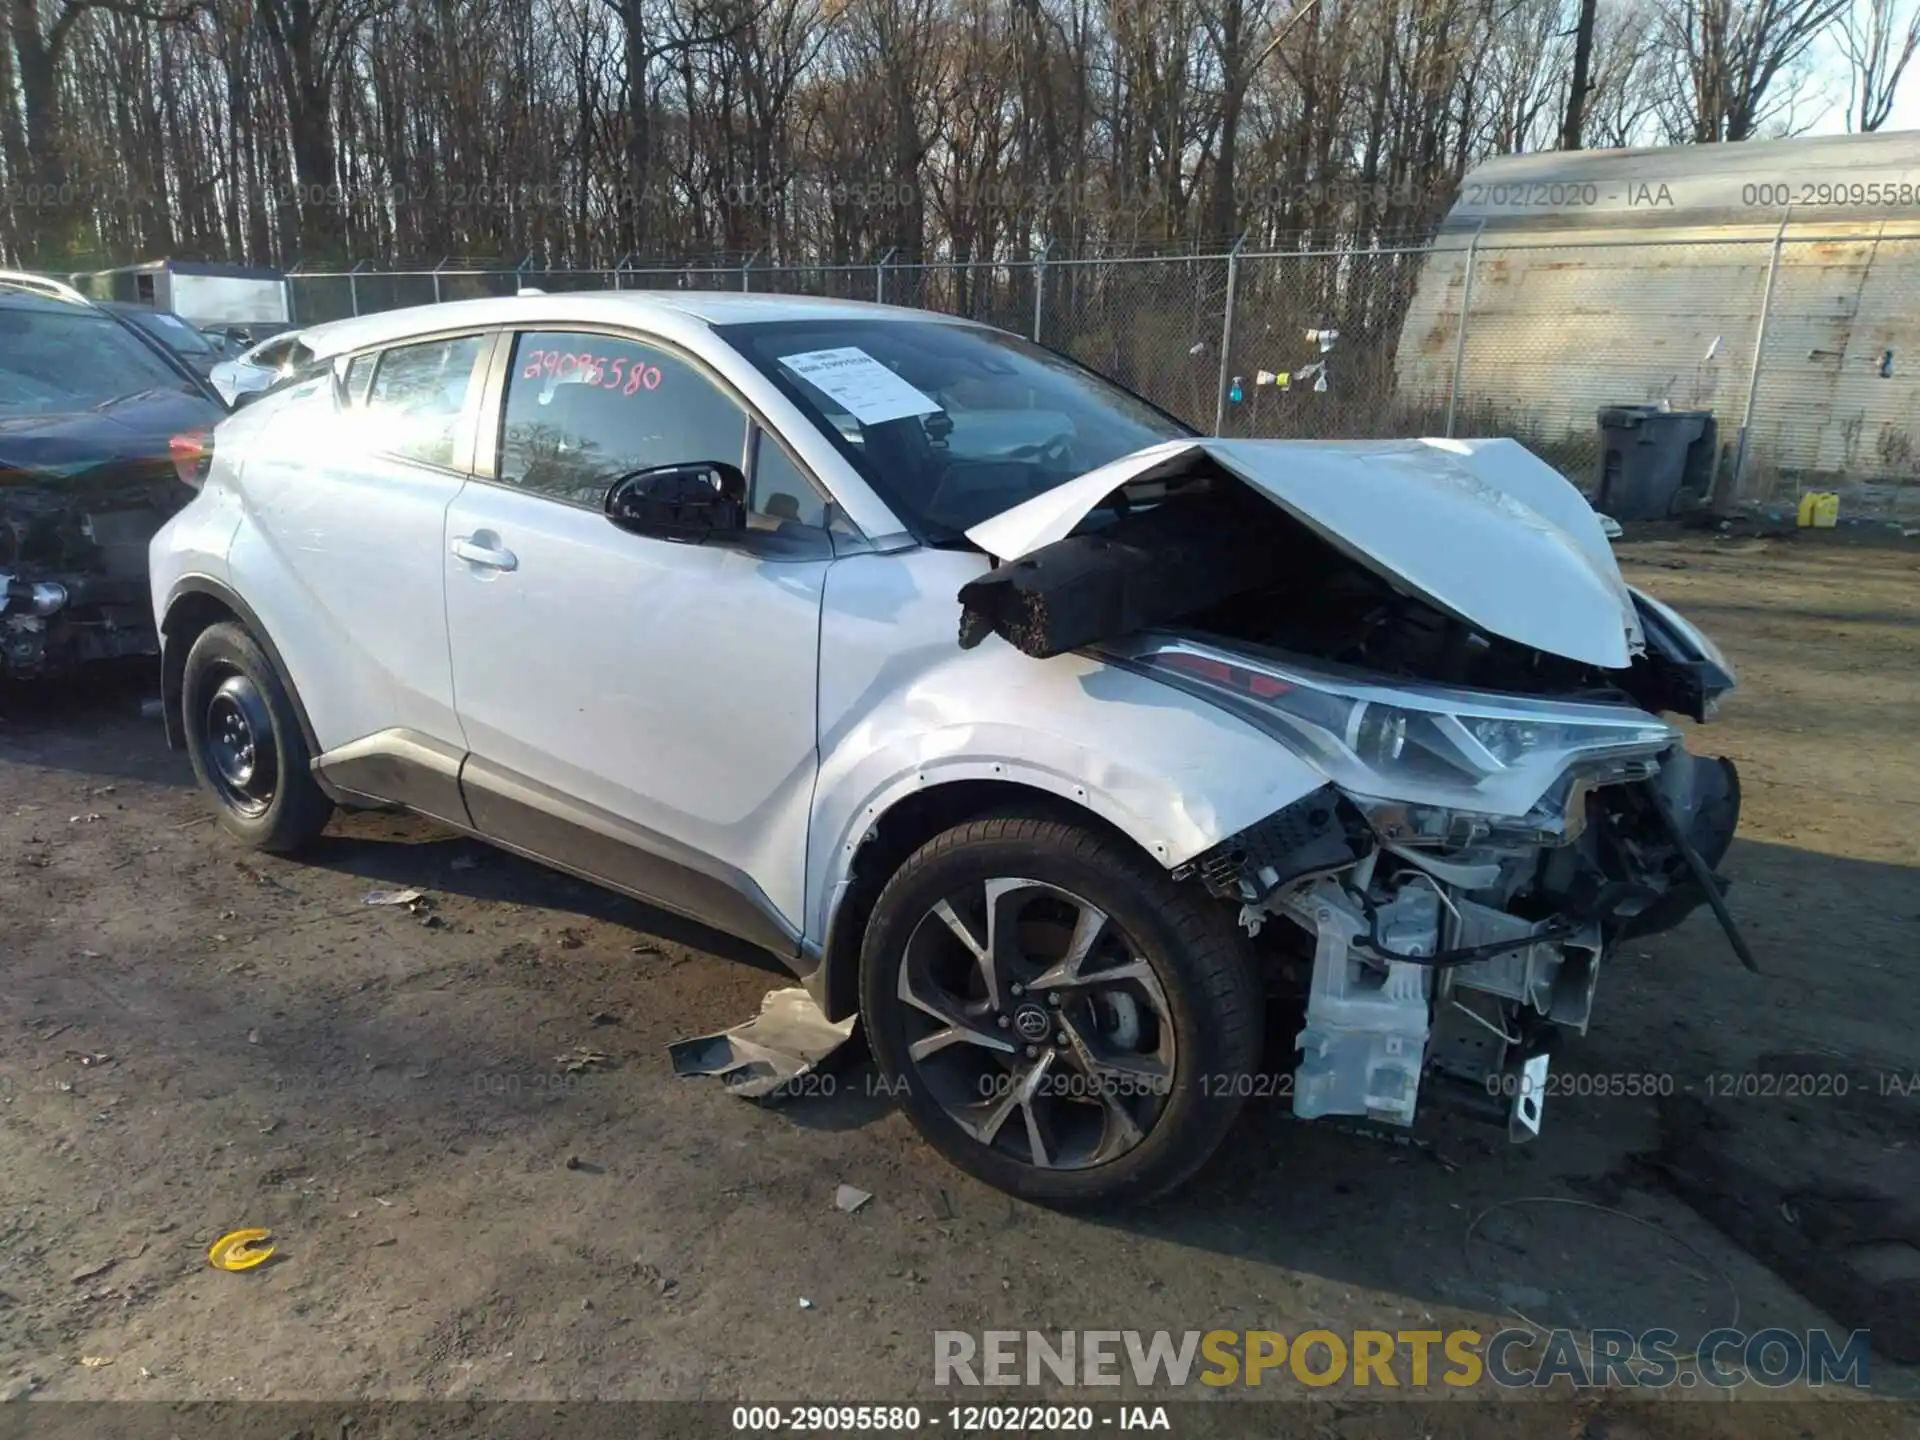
(73, 566)
(1430, 945)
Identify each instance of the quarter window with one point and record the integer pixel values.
(778, 490)
(418, 394)
(359, 377)
(272, 357)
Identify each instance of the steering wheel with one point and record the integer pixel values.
(1048, 452)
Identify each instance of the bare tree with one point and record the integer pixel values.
(1580, 79)
(1732, 53)
(965, 132)
(34, 39)
(1878, 42)
(1628, 79)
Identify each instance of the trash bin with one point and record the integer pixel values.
(1654, 462)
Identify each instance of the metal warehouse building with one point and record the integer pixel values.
(1776, 283)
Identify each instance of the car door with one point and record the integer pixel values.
(639, 710)
(347, 484)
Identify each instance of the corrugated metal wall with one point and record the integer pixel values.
(1555, 331)
(1822, 403)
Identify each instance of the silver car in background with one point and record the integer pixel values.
(257, 368)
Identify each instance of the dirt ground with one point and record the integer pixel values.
(468, 1205)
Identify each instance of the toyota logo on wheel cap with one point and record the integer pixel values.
(1032, 1022)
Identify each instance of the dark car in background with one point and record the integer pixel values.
(198, 350)
(101, 435)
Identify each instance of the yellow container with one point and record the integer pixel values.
(1820, 509)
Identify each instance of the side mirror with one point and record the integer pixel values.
(689, 503)
(243, 398)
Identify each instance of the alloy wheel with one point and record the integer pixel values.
(1037, 1023)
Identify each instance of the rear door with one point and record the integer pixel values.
(639, 710)
(348, 485)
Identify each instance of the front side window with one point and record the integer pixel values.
(950, 424)
(583, 410)
(418, 394)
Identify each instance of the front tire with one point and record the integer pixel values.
(243, 736)
(1055, 1014)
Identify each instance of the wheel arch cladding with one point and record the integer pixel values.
(198, 604)
(900, 829)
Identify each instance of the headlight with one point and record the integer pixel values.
(1491, 755)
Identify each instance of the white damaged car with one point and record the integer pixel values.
(1051, 738)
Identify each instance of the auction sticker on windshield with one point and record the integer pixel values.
(869, 391)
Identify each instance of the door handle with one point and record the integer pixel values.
(475, 553)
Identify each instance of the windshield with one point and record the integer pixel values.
(950, 424)
(172, 331)
(56, 356)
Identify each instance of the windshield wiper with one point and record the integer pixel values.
(132, 395)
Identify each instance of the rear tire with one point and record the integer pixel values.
(1099, 1059)
(244, 739)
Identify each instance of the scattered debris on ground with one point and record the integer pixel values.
(788, 1039)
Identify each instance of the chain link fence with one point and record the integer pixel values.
(1806, 350)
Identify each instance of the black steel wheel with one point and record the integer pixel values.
(237, 731)
(244, 738)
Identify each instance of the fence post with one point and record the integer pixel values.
(1460, 339)
(746, 273)
(436, 279)
(880, 275)
(1226, 337)
(1039, 287)
(353, 287)
(1759, 354)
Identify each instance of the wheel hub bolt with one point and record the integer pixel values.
(1033, 1052)
(1053, 999)
(1018, 989)
(1005, 1021)
(1059, 1037)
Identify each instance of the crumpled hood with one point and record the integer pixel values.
(1483, 530)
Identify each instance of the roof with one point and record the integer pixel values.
(24, 282)
(710, 307)
(31, 300)
(1824, 179)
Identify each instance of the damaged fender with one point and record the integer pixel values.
(1171, 771)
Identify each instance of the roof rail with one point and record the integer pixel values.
(42, 285)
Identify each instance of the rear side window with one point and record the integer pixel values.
(296, 365)
(417, 396)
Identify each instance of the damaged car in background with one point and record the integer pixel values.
(1057, 743)
(99, 444)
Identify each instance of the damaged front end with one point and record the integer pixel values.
(1498, 814)
(73, 564)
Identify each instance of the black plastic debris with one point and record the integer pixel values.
(1145, 569)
